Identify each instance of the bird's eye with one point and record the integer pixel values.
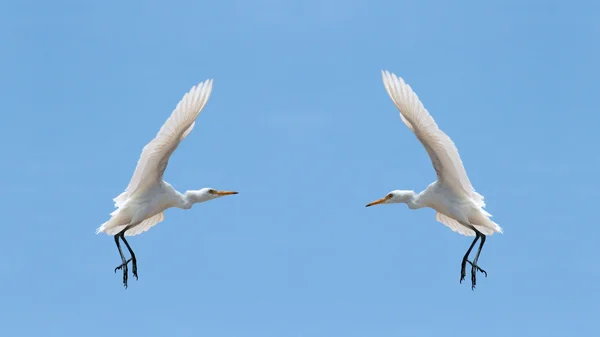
(389, 196)
(211, 191)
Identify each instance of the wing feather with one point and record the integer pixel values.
(155, 156)
(455, 226)
(145, 225)
(140, 228)
(442, 151)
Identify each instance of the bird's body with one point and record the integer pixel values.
(147, 196)
(457, 203)
(141, 206)
(455, 209)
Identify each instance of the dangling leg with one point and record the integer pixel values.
(132, 259)
(474, 266)
(463, 265)
(124, 264)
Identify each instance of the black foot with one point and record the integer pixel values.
(478, 268)
(463, 272)
(474, 269)
(134, 269)
(122, 265)
(125, 272)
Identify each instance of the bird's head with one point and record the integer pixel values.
(207, 193)
(394, 197)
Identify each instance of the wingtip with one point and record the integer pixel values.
(388, 76)
(204, 86)
(207, 83)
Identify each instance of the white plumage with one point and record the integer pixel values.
(142, 203)
(457, 203)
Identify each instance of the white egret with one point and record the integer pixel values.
(142, 203)
(457, 204)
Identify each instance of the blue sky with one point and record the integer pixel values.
(300, 124)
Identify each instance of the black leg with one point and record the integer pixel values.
(474, 266)
(123, 265)
(133, 259)
(463, 265)
(124, 262)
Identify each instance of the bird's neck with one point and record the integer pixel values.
(185, 202)
(412, 200)
(189, 198)
(413, 203)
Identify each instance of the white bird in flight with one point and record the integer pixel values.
(457, 204)
(141, 205)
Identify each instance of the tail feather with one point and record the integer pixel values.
(479, 199)
(102, 227)
(120, 199)
(495, 227)
(483, 220)
(117, 219)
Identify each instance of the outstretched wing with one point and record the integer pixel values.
(155, 155)
(442, 151)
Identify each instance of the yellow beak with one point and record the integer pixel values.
(221, 193)
(377, 202)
